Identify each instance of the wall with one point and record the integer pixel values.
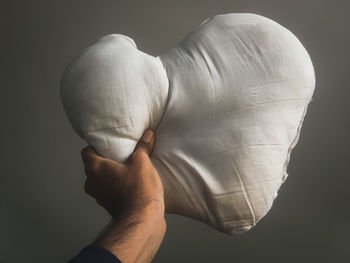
(44, 214)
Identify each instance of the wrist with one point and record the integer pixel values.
(140, 233)
(152, 211)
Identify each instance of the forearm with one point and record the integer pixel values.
(136, 238)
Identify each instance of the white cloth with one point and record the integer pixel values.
(227, 105)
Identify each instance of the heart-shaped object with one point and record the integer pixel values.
(227, 105)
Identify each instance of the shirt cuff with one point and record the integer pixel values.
(95, 254)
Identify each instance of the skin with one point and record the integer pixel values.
(133, 194)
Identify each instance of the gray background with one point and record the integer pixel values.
(44, 214)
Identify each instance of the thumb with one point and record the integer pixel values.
(146, 143)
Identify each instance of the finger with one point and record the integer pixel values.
(91, 159)
(89, 154)
(146, 143)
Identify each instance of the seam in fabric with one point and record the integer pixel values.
(295, 141)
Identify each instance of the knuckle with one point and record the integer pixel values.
(87, 188)
(93, 166)
(142, 153)
(101, 168)
(83, 152)
(133, 157)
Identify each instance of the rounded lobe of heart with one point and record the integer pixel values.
(112, 92)
(240, 85)
(227, 105)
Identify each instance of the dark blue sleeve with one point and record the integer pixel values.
(95, 254)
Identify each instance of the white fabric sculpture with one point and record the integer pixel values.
(227, 105)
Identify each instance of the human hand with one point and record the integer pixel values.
(124, 189)
(132, 192)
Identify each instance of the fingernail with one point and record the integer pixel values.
(147, 136)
